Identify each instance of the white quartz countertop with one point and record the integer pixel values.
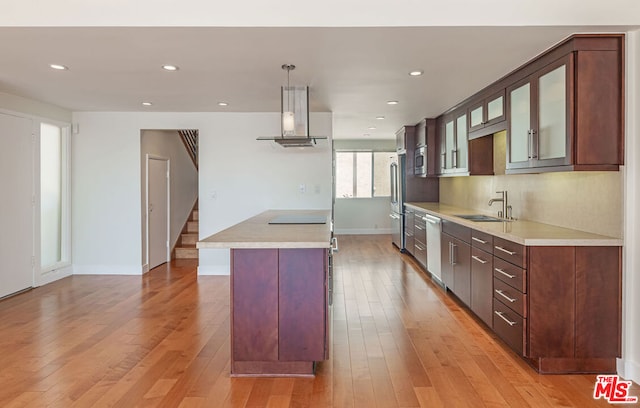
(522, 232)
(256, 232)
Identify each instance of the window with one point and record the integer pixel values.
(54, 196)
(363, 174)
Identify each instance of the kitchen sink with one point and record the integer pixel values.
(480, 218)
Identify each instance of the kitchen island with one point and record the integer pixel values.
(280, 281)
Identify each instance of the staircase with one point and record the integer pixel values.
(186, 246)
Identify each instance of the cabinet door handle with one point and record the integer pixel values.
(482, 261)
(334, 244)
(501, 293)
(499, 248)
(535, 148)
(450, 253)
(504, 273)
(454, 158)
(443, 162)
(529, 144)
(453, 254)
(501, 315)
(479, 240)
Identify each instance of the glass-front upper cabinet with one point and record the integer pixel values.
(538, 126)
(487, 112)
(454, 149)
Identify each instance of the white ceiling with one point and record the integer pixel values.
(351, 71)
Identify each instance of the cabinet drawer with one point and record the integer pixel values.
(512, 298)
(456, 230)
(510, 251)
(482, 240)
(420, 252)
(510, 274)
(510, 327)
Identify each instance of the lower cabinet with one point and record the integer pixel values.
(559, 307)
(456, 260)
(279, 311)
(420, 238)
(482, 285)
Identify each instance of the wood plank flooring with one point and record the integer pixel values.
(162, 340)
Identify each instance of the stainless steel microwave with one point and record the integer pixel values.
(420, 162)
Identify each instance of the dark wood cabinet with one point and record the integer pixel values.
(453, 142)
(409, 230)
(420, 238)
(568, 113)
(405, 138)
(487, 115)
(456, 259)
(559, 307)
(574, 309)
(279, 301)
(482, 276)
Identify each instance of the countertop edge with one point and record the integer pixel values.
(597, 240)
(265, 245)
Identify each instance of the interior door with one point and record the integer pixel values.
(158, 211)
(16, 217)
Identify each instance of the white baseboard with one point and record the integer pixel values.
(362, 231)
(54, 275)
(107, 270)
(629, 370)
(213, 270)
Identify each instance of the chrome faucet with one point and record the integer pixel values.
(506, 208)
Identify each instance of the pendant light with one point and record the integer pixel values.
(294, 115)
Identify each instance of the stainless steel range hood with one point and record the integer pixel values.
(294, 141)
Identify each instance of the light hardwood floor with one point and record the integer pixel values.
(162, 340)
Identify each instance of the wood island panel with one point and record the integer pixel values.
(254, 288)
(302, 305)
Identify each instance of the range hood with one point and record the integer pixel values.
(294, 116)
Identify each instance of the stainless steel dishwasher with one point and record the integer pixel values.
(433, 246)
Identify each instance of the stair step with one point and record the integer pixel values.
(186, 253)
(195, 215)
(192, 226)
(189, 239)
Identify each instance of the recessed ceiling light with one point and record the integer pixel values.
(223, 104)
(392, 102)
(58, 67)
(170, 67)
(147, 103)
(380, 117)
(372, 128)
(416, 73)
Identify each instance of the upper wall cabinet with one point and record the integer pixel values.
(567, 114)
(487, 115)
(454, 150)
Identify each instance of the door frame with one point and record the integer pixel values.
(149, 157)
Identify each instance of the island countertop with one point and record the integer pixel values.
(519, 231)
(256, 232)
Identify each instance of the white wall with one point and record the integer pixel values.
(239, 177)
(184, 180)
(629, 366)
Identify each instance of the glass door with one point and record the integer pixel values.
(519, 125)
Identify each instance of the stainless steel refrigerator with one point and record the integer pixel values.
(397, 200)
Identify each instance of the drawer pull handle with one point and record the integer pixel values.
(419, 227)
(505, 250)
(501, 293)
(504, 273)
(479, 240)
(501, 315)
(419, 248)
(482, 261)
